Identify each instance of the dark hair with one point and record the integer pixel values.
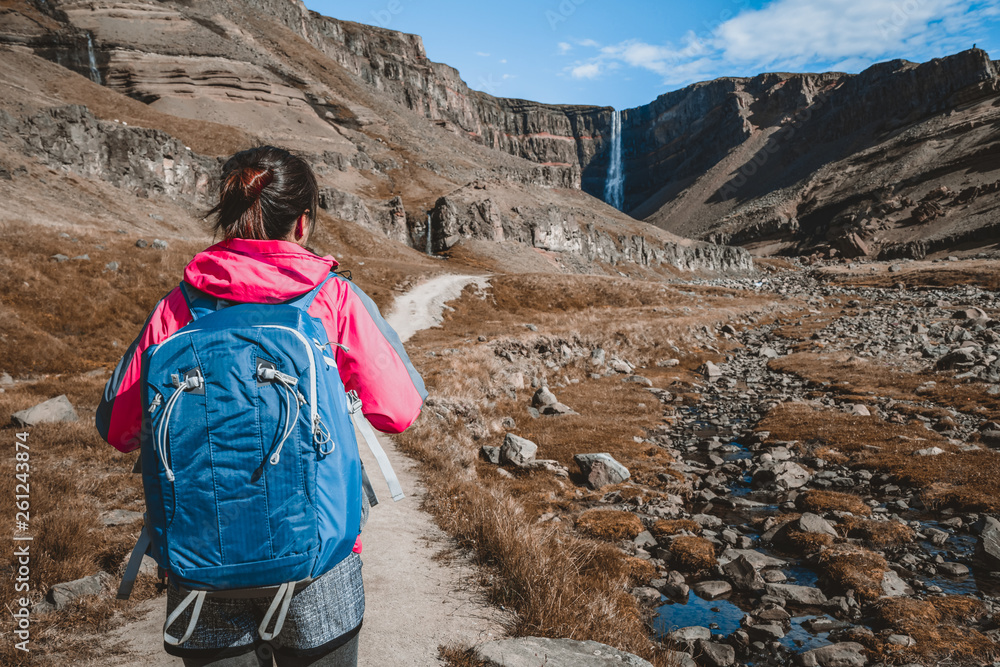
(263, 192)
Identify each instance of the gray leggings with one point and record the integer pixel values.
(342, 656)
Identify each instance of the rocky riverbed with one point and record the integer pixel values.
(833, 501)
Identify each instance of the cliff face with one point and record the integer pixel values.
(775, 161)
(401, 145)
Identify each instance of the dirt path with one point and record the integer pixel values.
(414, 602)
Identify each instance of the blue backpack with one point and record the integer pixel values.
(250, 465)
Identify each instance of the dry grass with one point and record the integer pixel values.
(818, 502)
(920, 274)
(692, 554)
(667, 527)
(850, 567)
(798, 542)
(940, 627)
(875, 533)
(963, 480)
(458, 656)
(609, 524)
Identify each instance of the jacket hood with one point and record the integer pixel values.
(249, 271)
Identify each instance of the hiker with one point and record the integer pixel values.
(265, 216)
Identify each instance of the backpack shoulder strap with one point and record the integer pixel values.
(303, 301)
(200, 303)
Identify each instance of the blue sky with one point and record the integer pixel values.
(626, 52)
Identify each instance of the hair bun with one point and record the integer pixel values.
(253, 181)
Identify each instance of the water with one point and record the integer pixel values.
(95, 74)
(429, 251)
(614, 184)
(727, 616)
(697, 611)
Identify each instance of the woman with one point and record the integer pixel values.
(265, 215)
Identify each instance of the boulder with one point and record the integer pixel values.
(743, 574)
(801, 595)
(639, 379)
(710, 590)
(61, 595)
(710, 370)
(517, 450)
(545, 652)
(674, 586)
(714, 654)
(543, 397)
(601, 469)
(557, 408)
(785, 476)
(490, 453)
(893, 586)
(813, 523)
(989, 541)
(953, 569)
(57, 409)
(756, 559)
(845, 654)
(689, 635)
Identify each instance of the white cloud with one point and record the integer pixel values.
(564, 48)
(586, 71)
(845, 35)
(503, 61)
(482, 54)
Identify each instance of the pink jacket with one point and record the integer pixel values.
(373, 363)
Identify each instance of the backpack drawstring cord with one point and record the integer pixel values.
(162, 432)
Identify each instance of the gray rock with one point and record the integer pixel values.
(668, 363)
(758, 560)
(557, 408)
(159, 245)
(813, 523)
(545, 652)
(142, 243)
(953, 569)
(801, 595)
(845, 654)
(601, 469)
(894, 586)
(620, 365)
(712, 589)
(6, 380)
(902, 640)
(690, 634)
(714, 654)
(517, 450)
(929, 451)
(765, 632)
(546, 464)
(490, 453)
(54, 410)
(743, 574)
(61, 595)
(639, 379)
(786, 475)
(646, 595)
(112, 266)
(679, 659)
(120, 517)
(710, 370)
(644, 539)
(543, 397)
(674, 586)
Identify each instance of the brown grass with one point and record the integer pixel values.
(609, 524)
(875, 533)
(850, 567)
(796, 541)
(818, 502)
(940, 627)
(692, 554)
(963, 480)
(667, 527)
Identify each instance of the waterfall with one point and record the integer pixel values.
(429, 251)
(614, 184)
(95, 75)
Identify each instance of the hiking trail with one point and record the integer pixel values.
(415, 602)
